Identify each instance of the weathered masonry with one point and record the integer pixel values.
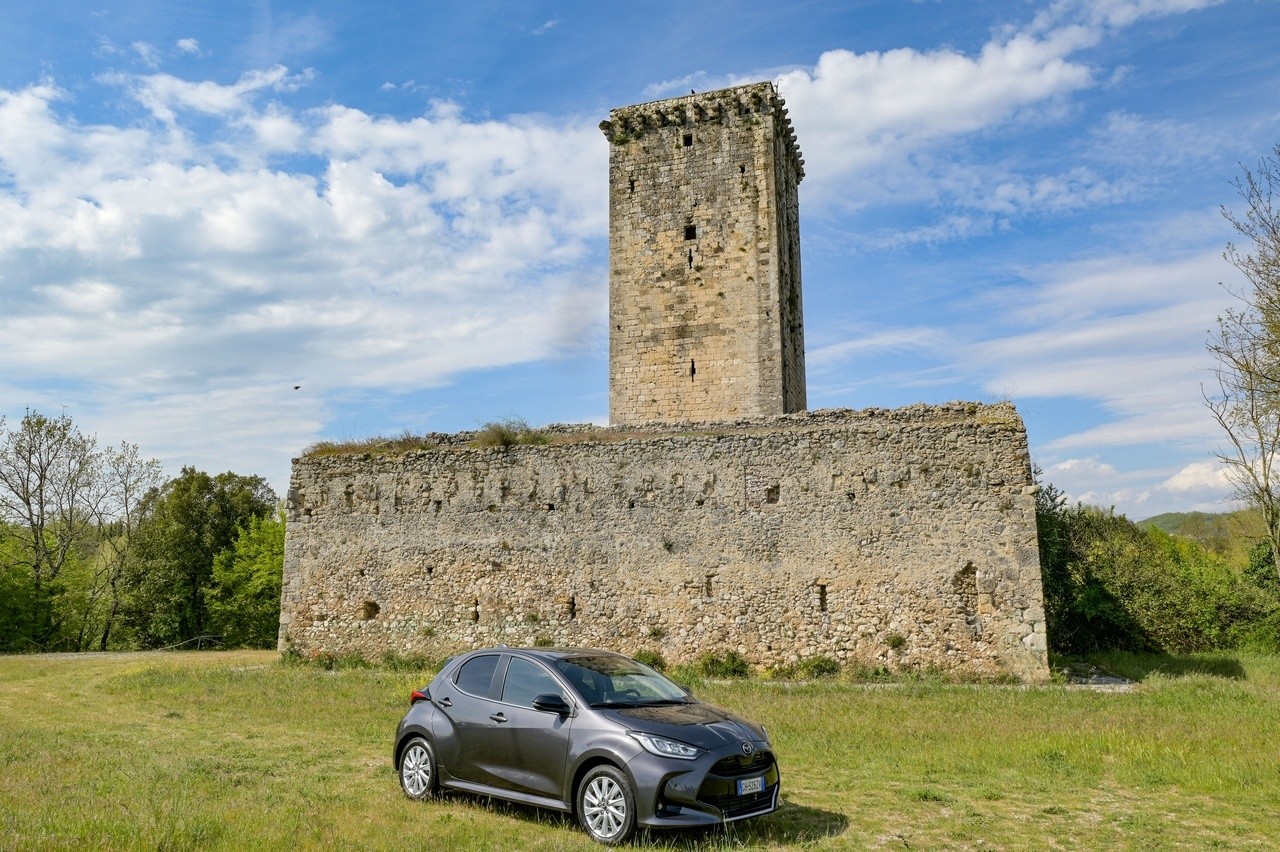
(902, 537)
(715, 513)
(705, 319)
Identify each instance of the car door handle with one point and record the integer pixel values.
(499, 717)
(444, 702)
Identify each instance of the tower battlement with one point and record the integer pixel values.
(721, 106)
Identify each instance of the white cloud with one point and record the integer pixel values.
(185, 278)
(147, 53)
(1115, 13)
(1198, 486)
(188, 45)
(1200, 476)
(883, 340)
(858, 110)
(1124, 332)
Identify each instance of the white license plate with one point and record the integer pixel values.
(750, 785)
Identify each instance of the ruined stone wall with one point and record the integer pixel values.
(704, 282)
(900, 538)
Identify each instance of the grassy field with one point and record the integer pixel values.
(234, 751)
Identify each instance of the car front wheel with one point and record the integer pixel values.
(418, 769)
(606, 805)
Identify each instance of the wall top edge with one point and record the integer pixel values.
(1002, 416)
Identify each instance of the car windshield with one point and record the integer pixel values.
(611, 681)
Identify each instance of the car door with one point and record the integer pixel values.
(534, 743)
(462, 726)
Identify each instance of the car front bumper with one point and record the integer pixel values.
(720, 786)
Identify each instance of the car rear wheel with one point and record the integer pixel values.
(606, 805)
(418, 769)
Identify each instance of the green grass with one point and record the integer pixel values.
(233, 750)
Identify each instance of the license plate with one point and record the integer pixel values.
(750, 785)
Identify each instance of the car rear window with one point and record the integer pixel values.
(476, 674)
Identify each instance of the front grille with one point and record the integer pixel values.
(736, 767)
(720, 787)
(733, 805)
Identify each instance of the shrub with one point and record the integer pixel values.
(507, 433)
(814, 668)
(652, 659)
(1109, 585)
(396, 661)
(731, 664)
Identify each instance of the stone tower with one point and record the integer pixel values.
(705, 319)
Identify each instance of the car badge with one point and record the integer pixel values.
(747, 749)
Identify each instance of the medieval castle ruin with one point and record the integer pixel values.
(714, 512)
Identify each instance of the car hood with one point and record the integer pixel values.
(696, 723)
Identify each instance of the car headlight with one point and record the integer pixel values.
(664, 747)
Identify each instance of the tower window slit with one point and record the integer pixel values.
(688, 140)
(690, 232)
(693, 369)
(691, 258)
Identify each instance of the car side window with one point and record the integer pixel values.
(526, 681)
(476, 675)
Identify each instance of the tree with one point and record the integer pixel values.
(185, 524)
(51, 495)
(244, 597)
(129, 479)
(1246, 346)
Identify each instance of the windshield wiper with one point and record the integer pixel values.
(642, 702)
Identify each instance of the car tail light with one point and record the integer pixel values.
(418, 695)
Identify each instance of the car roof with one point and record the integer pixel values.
(547, 653)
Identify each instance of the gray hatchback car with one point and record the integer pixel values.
(592, 733)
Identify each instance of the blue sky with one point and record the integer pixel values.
(401, 208)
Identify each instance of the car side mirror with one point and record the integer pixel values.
(552, 703)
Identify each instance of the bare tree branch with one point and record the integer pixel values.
(1246, 346)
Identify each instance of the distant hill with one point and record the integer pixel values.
(1231, 535)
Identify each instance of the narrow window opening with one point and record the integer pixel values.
(573, 608)
(693, 369)
(690, 232)
(631, 186)
(742, 170)
(822, 597)
(551, 507)
(772, 493)
(691, 258)
(688, 140)
(706, 587)
(475, 610)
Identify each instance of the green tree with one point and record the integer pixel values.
(1246, 346)
(1110, 585)
(244, 597)
(184, 525)
(51, 496)
(129, 478)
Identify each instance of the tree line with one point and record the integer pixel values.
(98, 551)
(1110, 584)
